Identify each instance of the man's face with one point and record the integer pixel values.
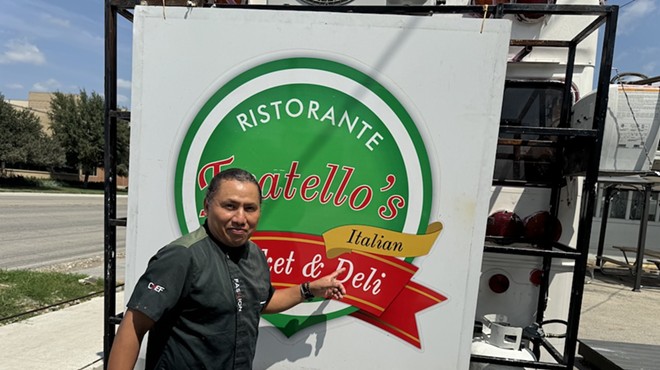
(233, 212)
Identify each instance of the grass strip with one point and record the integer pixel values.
(24, 293)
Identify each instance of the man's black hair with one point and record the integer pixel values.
(237, 174)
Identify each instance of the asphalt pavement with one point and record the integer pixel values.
(41, 230)
(72, 338)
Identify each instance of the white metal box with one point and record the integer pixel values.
(350, 2)
(519, 301)
(632, 126)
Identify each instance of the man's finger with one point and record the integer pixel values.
(338, 272)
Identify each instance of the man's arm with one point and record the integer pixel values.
(327, 286)
(126, 346)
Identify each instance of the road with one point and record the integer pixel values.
(39, 229)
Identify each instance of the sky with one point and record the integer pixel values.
(59, 45)
(48, 45)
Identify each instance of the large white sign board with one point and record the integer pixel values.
(371, 124)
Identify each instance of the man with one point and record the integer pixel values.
(201, 296)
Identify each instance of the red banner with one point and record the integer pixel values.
(379, 286)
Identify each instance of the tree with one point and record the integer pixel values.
(22, 139)
(48, 152)
(123, 144)
(77, 123)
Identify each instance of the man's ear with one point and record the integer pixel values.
(205, 209)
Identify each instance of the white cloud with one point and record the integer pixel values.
(55, 22)
(49, 85)
(65, 23)
(650, 60)
(652, 51)
(650, 68)
(123, 84)
(74, 89)
(21, 51)
(14, 86)
(122, 99)
(632, 13)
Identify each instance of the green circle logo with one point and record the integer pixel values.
(329, 144)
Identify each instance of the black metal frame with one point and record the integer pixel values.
(612, 184)
(112, 9)
(604, 15)
(607, 16)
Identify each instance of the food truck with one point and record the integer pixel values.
(426, 148)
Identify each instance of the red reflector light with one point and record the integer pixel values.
(535, 277)
(498, 283)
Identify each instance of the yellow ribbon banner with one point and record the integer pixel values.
(376, 240)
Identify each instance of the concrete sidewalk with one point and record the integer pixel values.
(612, 311)
(72, 338)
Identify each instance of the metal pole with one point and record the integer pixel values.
(110, 186)
(603, 224)
(589, 187)
(641, 242)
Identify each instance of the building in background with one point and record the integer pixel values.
(39, 104)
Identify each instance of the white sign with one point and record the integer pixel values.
(373, 137)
